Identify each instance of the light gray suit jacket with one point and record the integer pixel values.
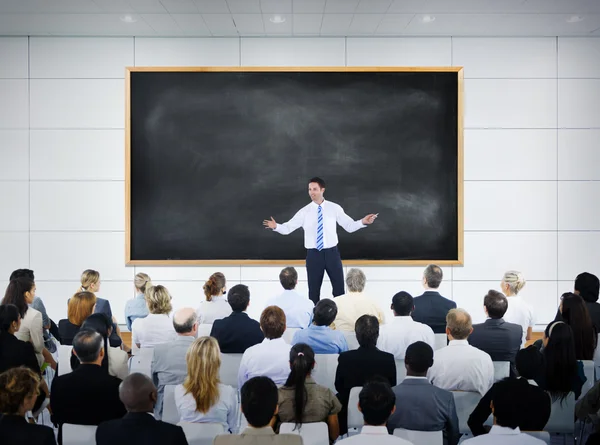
(258, 436)
(169, 367)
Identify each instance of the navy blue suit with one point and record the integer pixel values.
(236, 333)
(431, 309)
(501, 340)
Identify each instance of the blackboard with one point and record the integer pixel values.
(211, 153)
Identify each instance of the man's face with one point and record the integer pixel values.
(315, 192)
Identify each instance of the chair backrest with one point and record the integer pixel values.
(170, 413)
(288, 335)
(142, 362)
(325, 368)
(204, 330)
(542, 435)
(355, 418)
(441, 341)
(201, 433)
(465, 402)
(78, 434)
(230, 365)
(64, 359)
(420, 437)
(312, 433)
(589, 371)
(351, 340)
(501, 370)
(562, 416)
(400, 371)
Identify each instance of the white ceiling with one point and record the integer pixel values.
(302, 17)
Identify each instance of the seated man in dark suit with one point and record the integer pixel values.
(237, 332)
(501, 340)
(88, 395)
(431, 308)
(356, 367)
(138, 426)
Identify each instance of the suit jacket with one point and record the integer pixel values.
(103, 307)
(236, 333)
(68, 331)
(14, 352)
(15, 430)
(86, 396)
(139, 429)
(431, 409)
(500, 339)
(431, 309)
(258, 436)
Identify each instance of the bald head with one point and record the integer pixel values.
(138, 393)
(458, 324)
(185, 322)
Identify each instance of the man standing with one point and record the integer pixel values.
(318, 219)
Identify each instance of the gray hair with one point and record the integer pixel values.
(515, 281)
(433, 276)
(356, 280)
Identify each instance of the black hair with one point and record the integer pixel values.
(575, 313)
(324, 312)
(367, 331)
(403, 303)
(238, 297)
(506, 401)
(27, 273)
(319, 181)
(419, 357)
(259, 401)
(376, 401)
(87, 345)
(302, 361)
(9, 313)
(588, 286)
(560, 360)
(288, 278)
(101, 324)
(15, 293)
(496, 304)
(530, 363)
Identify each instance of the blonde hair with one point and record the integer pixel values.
(158, 300)
(515, 281)
(89, 277)
(213, 286)
(202, 382)
(80, 307)
(142, 282)
(458, 321)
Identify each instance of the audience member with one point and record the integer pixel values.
(319, 335)
(19, 388)
(460, 366)
(377, 403)
(138, 426)
(501, 340)
(533, 409)
(238, 331)
(587, 408)
(157, 326)
(169, 361)
(269, 358)
(430, 307)
(90, 282)
(259, 406)
(137, 308)
(298, 308)
(518, 312)
(358, 366)
(355, 303)
(302, 400)
(402, 331)
(79, 308)
(215, 307)
(506, 407)
(422, 406)
(587, 286)
(574, 312)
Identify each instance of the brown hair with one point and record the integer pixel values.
(272, 322)
(15, 293)
(16, 385)
(459, 322)
(81, 306)
(213, 286)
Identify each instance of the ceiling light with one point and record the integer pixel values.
(277, 19)
(128, 18)
(575, 19)
(427, 19)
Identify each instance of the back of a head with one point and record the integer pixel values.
(288, 278)
(80, 307)
(367, 331)
(272, 322)
(530, 363)
(137, 392)
(184, 320)
(101, 324)
(214, 285)
(142, 282)
(515, 280)
(158, 299)
(16, 384)
(403, 303)
(433, 276)
(325, 312)
(506, 401)
(575, 313)
(496, 304)
(302, 361)
(259, 401)
(87, 345)
(238, 297)
(419, 357)
(203, 360)
(15, 293)
(89, 277)
(356, 280)
(376, 401)
(560, 359)
(588, 286)
(27, 273)
(9, 314)
(458, 321)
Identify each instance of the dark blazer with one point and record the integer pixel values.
(68, 331)
(14, 352)
(15, 430)
(103, 307)
(236, 333)
(533, 409)
(500, 339)
(431, 309)
(86, 396)
(139, 429)
(430, 409)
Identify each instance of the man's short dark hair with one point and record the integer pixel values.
(27, 273)
(367, 331)
(87, 345)
(272, 322)
(419, 357)
(530, 363)
(506, 400)
(259, 401)
(318, 181)
(403, 303)
(238, 297)
(433, 276)
(288, 278)
(187, 325)
(496, 304)
(325, 312)
(588, 286)
(376, 401)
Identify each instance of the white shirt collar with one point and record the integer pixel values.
(459, 342)
(503, 430)
(402, 319)
(274, 340)
(414, 377)
(374, 430)
(317, 205)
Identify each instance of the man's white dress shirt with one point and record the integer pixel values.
(402, 331)
(521, 313)
(271, 358)
(298, 309)
(370, 435)
(500, 435)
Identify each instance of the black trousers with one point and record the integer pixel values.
(319, 262)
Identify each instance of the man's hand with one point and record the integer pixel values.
(370, 218)
(270, 223)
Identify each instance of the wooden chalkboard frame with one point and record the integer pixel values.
(460, 164)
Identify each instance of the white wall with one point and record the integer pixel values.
(532, 160)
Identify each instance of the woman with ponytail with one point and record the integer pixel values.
(215, 307)
(137, 308)
(301, 400)
(519, 311)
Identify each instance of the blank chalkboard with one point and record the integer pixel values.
(211, 153)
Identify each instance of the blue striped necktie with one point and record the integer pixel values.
(320, 228)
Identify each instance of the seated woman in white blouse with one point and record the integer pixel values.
(201, 398)
(216, 306)
(157, 327)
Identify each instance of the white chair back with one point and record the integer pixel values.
(142, 362)
(355, 418)
(312, 433)
(230, 365)
(501, 370)
(64, 359)
(420, 437)
(465, 402)
(201, 433)
(400, 371)
(441, 341)
(204, 330)
(325, 368)
(589, 371)
(351, 340)
(542, 435)
(288, 335)
(562, 416)
(78, 434)
(170, 413)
